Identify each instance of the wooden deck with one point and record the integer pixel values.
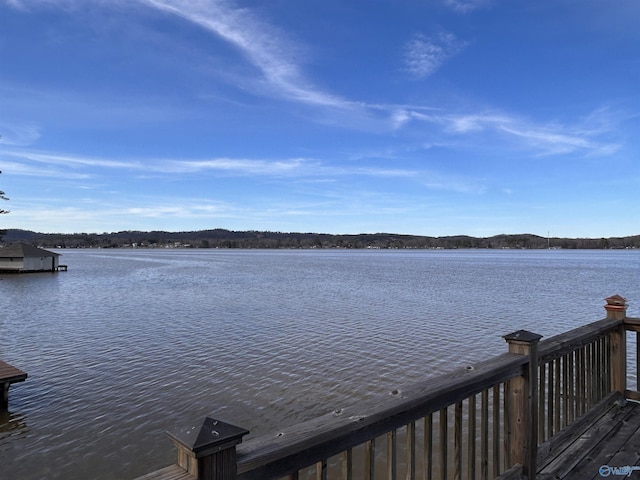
(173, 472)
(609, 441)
(8, 375)
(603, 443)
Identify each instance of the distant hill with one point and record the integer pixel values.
(220, 238)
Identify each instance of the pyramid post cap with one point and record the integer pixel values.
(207, 434)
(522, 336)
(616, 300)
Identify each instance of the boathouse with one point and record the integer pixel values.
(22, 258)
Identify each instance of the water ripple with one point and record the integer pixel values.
(129, 343)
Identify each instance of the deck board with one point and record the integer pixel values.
(173, 472)
(11, 374)
(613, 440)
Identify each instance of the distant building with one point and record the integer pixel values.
(22, 258)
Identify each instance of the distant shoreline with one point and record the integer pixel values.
(221, 238)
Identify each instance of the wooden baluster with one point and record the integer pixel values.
(496, 431)
(427, 464)
(592, 375)
(542, 414)
(579, 382)
(347, 464)
(571, 391)
(392, 451)
(556, 399)
(507, 424)
(457, 441)
(484, 436)
(444, 441)
(565, 391)
(471, 445)
(411, 451)
(370, 459)
(600, 390)
(321, 470)
(637, 361)
(551, 400)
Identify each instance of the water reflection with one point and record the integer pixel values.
(12, 424)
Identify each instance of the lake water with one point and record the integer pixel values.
(129, 343)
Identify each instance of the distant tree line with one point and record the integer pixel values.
(220, 238)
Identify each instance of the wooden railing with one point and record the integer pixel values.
(500, 415)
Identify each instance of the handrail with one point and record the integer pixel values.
(526, 397)
(561, 344)
(301, 445)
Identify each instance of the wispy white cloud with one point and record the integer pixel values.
(30, 170)
(276, 57)
(240, 166)
(424, 55)
(264, 46)
(466, 6)
(71, 166)
(543, 138)
(182, 209)
(18, 135)
(72, 160)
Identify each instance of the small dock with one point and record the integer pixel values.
(8, 376)
(557, 409)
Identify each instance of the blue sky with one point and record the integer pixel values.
(429, 117)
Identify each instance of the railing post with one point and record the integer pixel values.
(207, 450)
(4, 396)
(616, 308)
(522, 395)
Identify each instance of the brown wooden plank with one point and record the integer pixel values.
(370, 459)
(632, 324)
(550, 400)
(471, 438)
(484, 435)
(621, 427)
(514, 473)
(632, 395)
(427, 469)
(173, 472)
(391, 455)
(444, 443)
(411, 451)
(542, 389)
(629, 453)
(11, 374)
(555, 445)
(496, 431)
(457, 441)
(581, 454)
